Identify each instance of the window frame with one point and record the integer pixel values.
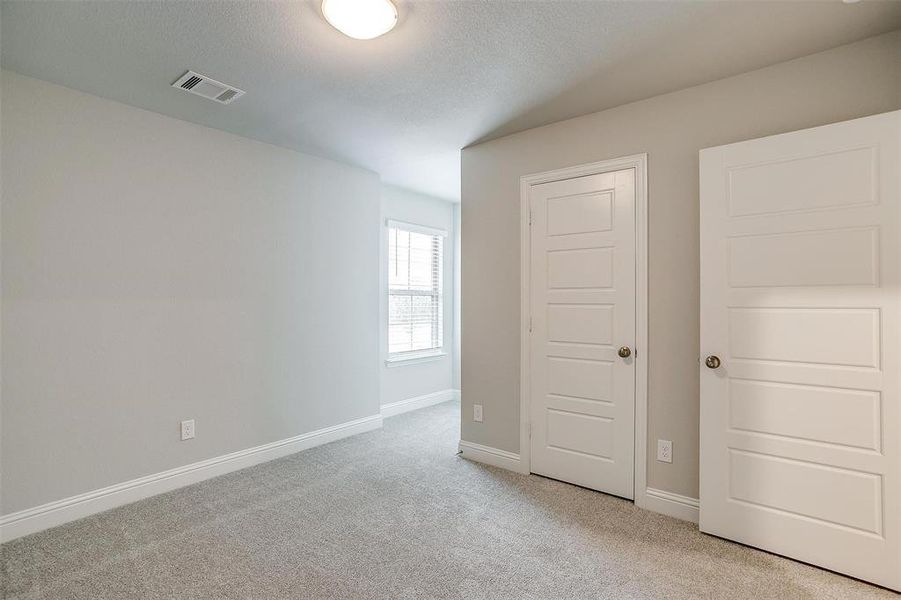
(394, 359)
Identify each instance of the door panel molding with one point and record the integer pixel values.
(638, 162)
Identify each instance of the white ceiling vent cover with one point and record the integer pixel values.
(208, 88)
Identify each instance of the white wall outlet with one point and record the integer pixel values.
(187, 430)
(477, 413)
(665, 451)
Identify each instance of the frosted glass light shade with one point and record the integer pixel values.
(360, 19)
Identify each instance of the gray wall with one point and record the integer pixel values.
(401, 382)
(844, 83)
(154, 271)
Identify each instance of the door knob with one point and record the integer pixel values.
(712, 362)
(624, 352)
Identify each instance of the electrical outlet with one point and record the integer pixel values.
(477, 413)
(187, 430)
(665, 451)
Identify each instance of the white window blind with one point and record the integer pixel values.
(415, 302)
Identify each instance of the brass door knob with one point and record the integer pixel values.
(712, 362)
(624, 352)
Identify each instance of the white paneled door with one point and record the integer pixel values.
(583, 329)
(801, 345)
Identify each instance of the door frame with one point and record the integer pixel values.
(639, 162)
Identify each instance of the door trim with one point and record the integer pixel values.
(639, 162)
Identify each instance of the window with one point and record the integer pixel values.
(415, 299)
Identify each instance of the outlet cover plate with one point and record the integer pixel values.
(187, 430)
(665, 451)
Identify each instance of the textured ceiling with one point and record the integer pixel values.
(451, 73)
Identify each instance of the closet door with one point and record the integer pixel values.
(801, 345)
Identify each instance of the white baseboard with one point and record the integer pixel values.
(673, 505)
(396, 408)
(48, 515)
(492, 456)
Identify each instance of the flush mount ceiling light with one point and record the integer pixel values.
(360, 19)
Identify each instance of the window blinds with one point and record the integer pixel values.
(415, 302)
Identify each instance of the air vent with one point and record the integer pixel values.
(227, 95)
(210, 89)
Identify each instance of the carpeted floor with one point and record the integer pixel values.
(396, 514)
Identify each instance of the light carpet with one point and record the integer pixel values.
(395, 513)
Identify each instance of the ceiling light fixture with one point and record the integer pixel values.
(360, 19)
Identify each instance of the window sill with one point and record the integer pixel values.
(414, 359)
